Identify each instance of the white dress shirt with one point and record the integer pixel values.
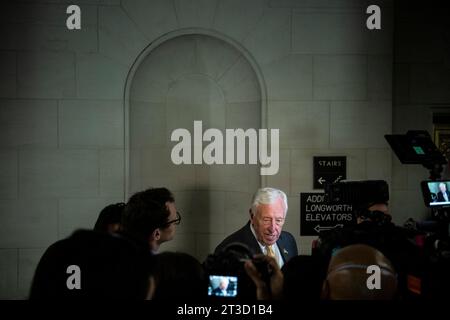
(275, 249)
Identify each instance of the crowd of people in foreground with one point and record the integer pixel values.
(120, 258)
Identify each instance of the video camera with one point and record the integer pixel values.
(228, 265)
(424, 254)
(436, 193)
(360, 195)
(416, 147)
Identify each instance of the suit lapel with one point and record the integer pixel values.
(284, 252)
(252, 240)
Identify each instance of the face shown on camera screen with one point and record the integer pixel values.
(223, 286)
(437, 193)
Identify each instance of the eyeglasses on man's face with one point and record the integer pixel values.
(176, 221)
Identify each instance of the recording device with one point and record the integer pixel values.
(427, 259)
(229, 263)
(223, 286)
(436, 193)
(357, 193)
(360, 195)
(416, 147)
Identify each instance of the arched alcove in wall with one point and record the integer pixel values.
(178, 79)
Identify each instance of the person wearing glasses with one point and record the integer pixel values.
(150, 218)
(263, 233)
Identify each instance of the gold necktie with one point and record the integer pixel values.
(269, 251)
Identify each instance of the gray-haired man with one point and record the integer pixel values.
(263, 233)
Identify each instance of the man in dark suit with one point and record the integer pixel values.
(443, 195)
(263, 233)
(222, 289)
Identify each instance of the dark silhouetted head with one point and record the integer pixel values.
(177, 276)
(349, 273)
(92, 265)
(110, 218)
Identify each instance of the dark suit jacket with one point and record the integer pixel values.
(286, 242)
(440, 196)
(218, 292)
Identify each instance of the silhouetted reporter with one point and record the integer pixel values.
(109, 219)
(92, 265)
(374, 228)
(177, 276)
(347, 277)
(303, 278)
(266, 289)
(150, 218)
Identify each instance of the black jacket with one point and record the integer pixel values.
(440, 196)
(286, 242)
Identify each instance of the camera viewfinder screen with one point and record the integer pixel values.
(222, 286)
(439, 193)
(418, 150)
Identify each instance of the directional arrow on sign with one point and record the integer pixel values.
(321, 180)
(318, 228)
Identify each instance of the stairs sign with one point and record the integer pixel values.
(329, 170)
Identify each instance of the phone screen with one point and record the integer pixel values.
(223, 286)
